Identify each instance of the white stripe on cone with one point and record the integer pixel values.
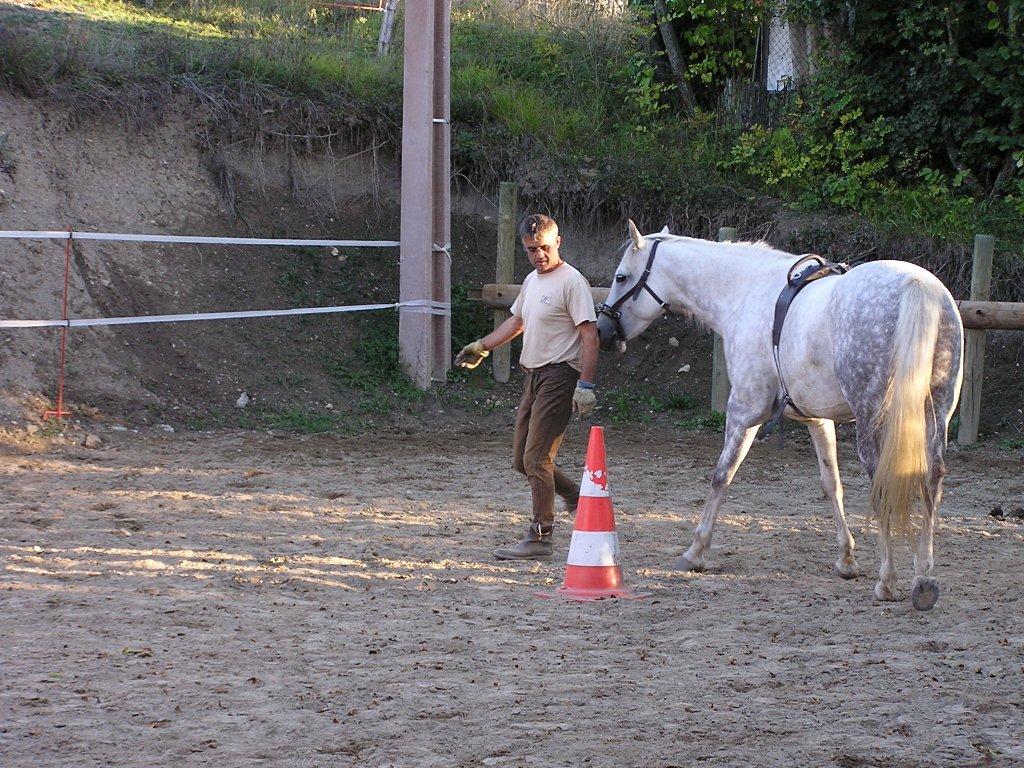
(594, 483)
(596, 548)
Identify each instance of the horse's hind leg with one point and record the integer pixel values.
(885, 589)
(868, 449)
(823, 434)
(926, 589)
(738, 440)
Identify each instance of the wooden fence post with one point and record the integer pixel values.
(504, 272)
(719, 371)
(387, 25)
(974, 343)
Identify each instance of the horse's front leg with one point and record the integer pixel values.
(738, 437)
(823, 435)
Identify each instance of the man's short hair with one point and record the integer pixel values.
(537, 225)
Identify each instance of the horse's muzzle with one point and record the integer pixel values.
(607, 333)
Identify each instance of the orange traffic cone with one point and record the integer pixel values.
(592, 571)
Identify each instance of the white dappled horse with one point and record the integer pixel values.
(881, 344)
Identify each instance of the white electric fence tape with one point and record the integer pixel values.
(195, 239)
(420, 306)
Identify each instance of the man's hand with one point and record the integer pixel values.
(471, 355)
(583, 400)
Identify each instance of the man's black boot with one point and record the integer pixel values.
(537, 545)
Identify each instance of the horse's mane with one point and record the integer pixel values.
(760, 246)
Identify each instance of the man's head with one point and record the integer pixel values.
(540, 237)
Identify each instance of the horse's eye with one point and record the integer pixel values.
(620, 278)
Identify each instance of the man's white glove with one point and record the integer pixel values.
(471, 355)
(583, 400)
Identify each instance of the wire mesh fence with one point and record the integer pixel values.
(784, 63)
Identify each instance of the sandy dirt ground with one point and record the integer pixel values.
(240, 598)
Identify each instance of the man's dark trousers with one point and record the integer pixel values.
(543, 415)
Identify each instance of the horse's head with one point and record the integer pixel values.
(635, 299)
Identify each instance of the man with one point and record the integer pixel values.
(555, 314)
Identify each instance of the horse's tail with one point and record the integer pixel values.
(902, 460)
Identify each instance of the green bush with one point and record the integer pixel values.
(718, 40)
(946, 78)
(827, 151)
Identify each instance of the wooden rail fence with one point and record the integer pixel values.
(980, 315)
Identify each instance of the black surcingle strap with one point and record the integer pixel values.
(814, 268)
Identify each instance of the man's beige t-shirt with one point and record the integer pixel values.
(551, 305)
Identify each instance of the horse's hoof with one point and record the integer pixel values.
(884, 594)
(684, 564)
(847, 570)
(925, 594)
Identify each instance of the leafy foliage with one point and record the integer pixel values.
(831, 155)
(719, 41)
(913, 118)
(946, 78)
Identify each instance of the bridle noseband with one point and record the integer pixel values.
(614, 314)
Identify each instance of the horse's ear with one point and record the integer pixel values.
(664, 230)
(635, 236)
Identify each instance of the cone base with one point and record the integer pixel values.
(588, 583)
(591, 595)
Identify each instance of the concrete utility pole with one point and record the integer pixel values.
(424, 338)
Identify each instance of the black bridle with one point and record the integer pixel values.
(612, 312)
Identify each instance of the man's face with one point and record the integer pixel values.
(542, 251)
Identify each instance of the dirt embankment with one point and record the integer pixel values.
(59, 171)
(63, 173)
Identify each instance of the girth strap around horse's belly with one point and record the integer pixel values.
(815, 268)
